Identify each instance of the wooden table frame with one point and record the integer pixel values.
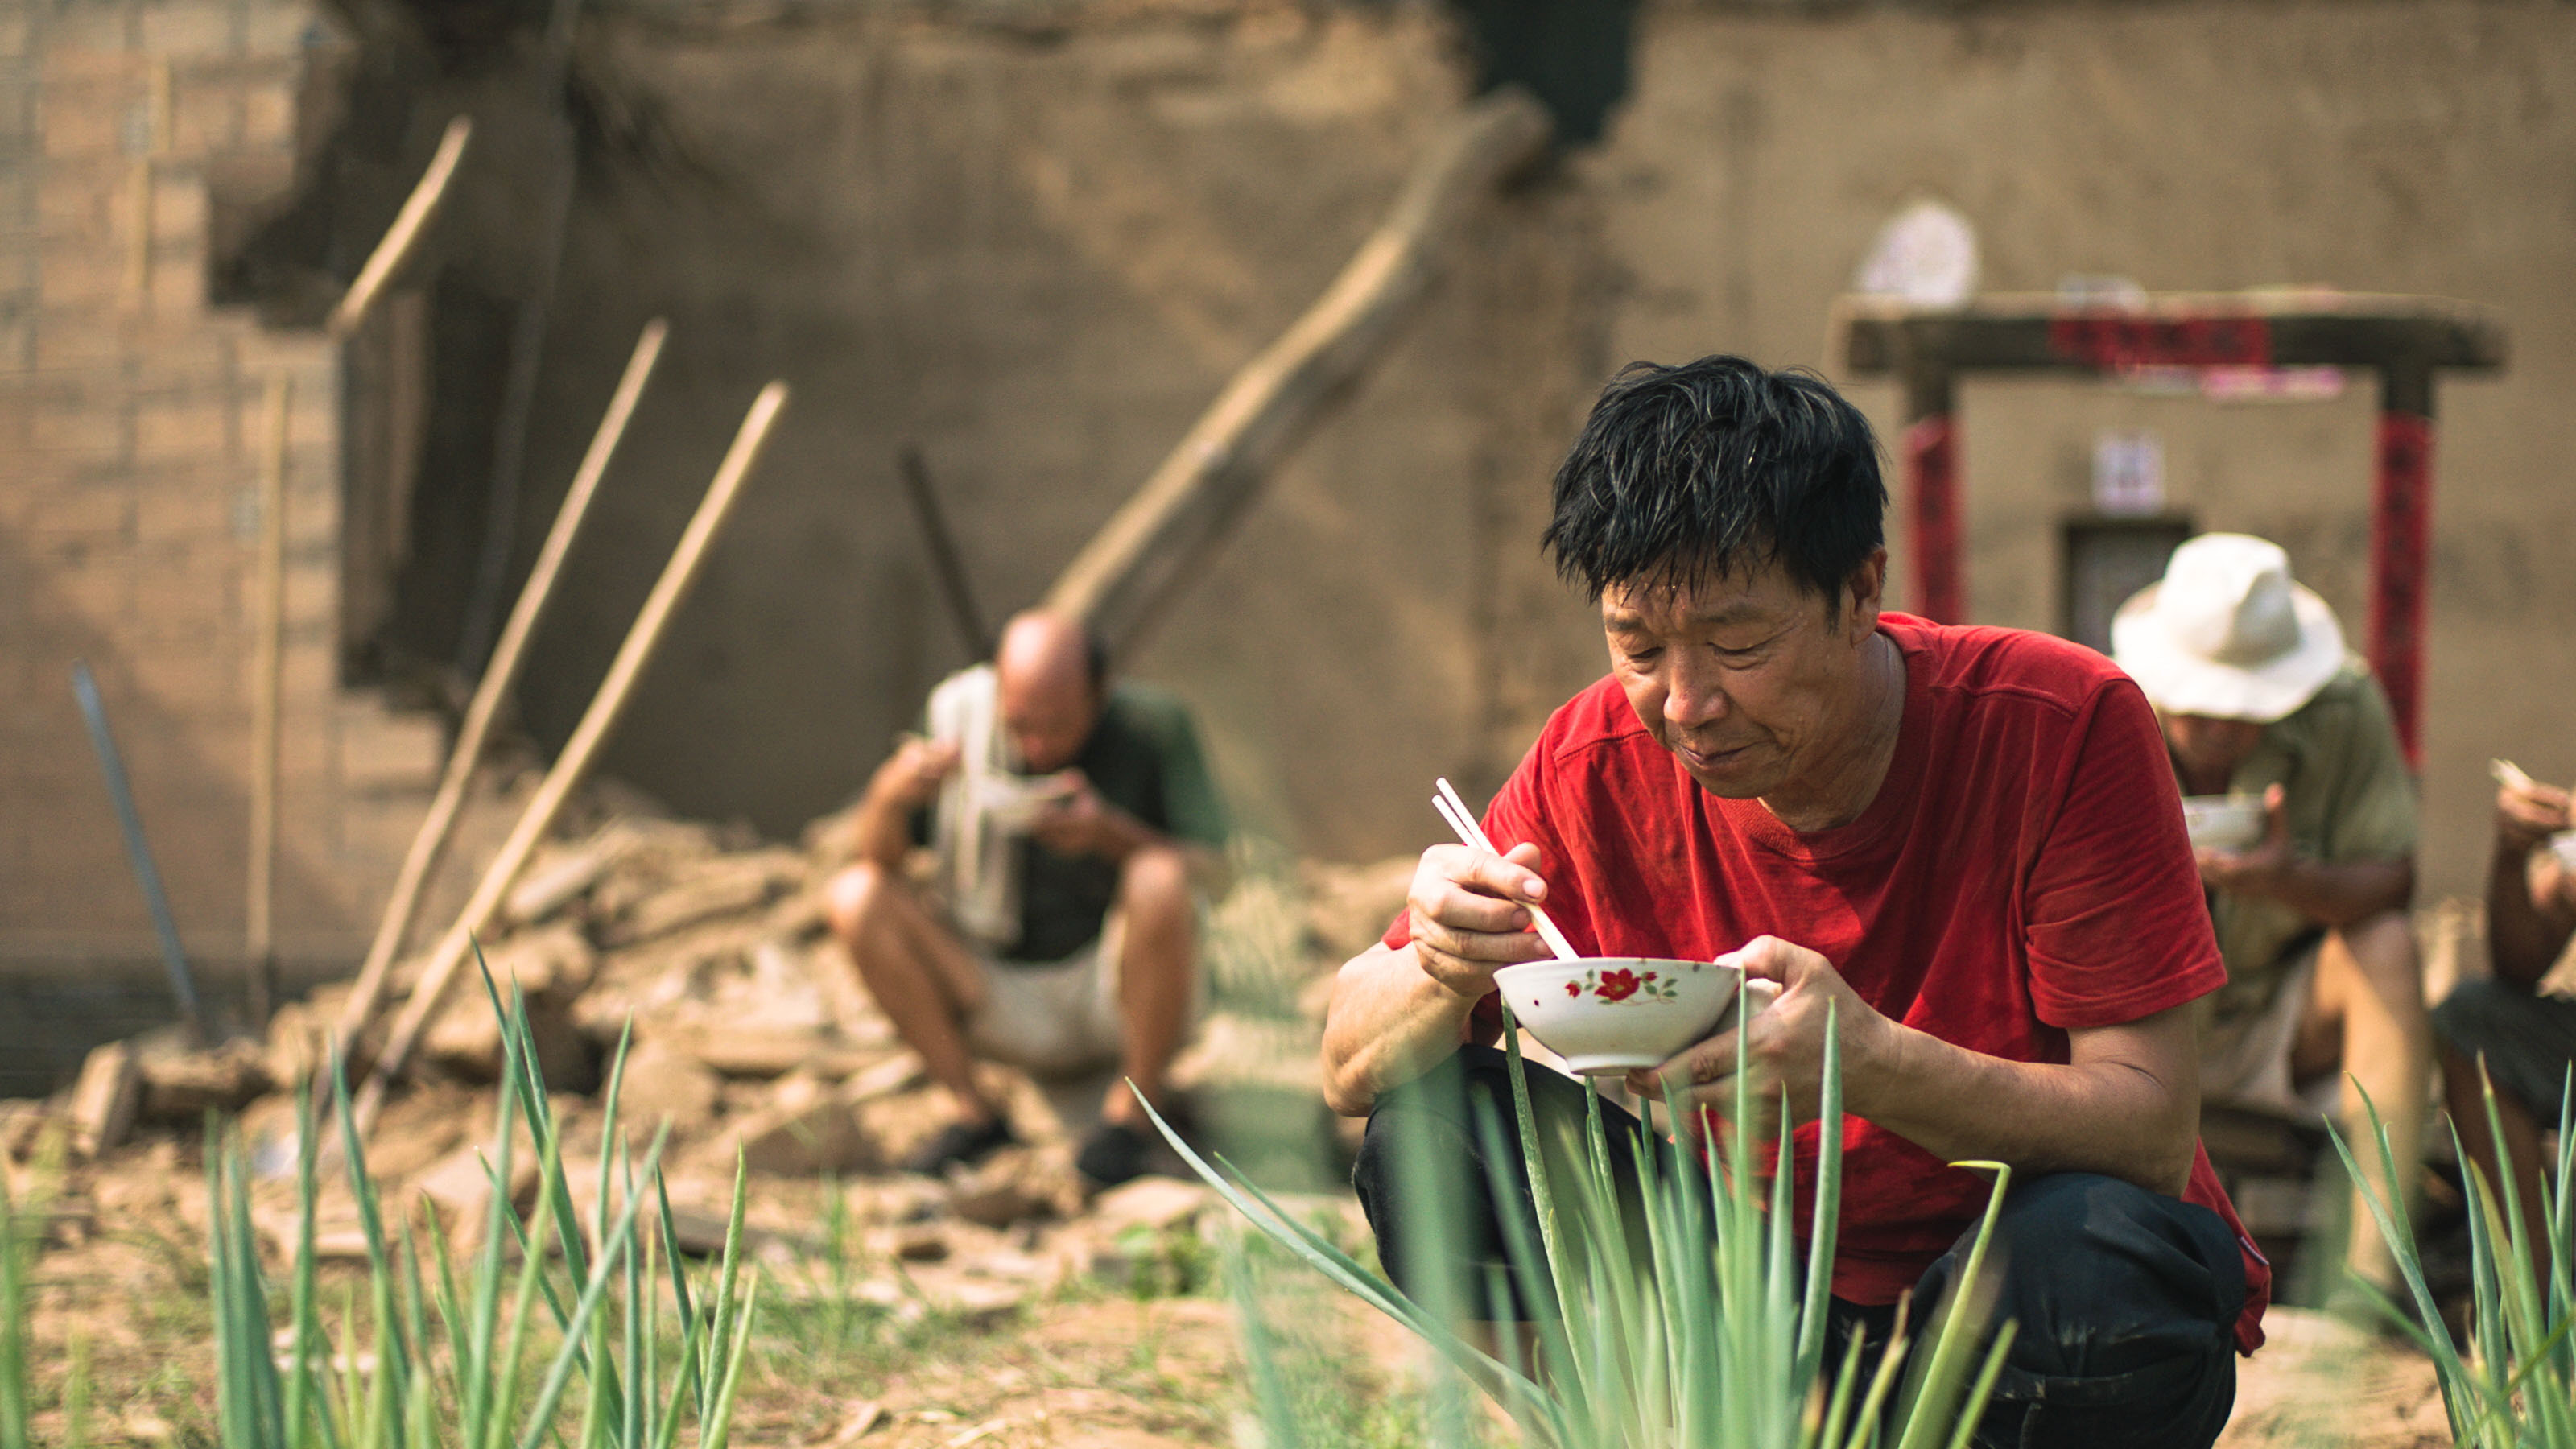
(2405, 340)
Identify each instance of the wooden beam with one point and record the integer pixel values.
(1155, 542)
(2033, 333)
(574, 762)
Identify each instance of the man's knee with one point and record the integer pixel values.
(2126, 1302)
(1154, 881)
(854, 898)
(2383, 946)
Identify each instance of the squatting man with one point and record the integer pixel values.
(1964, 844)
(1072, 824)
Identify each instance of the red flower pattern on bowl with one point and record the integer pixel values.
(1617, 985)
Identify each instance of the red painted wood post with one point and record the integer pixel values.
(2401, 546)
(1931, 460)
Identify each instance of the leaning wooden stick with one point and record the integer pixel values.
(404, 234)
(574, 762)
(1151, 545)
(430, 842)
(268, 671)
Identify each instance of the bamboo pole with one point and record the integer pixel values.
(268, 674)
(404, 234)
(574, 762)
(429, 843)
(1140, 558)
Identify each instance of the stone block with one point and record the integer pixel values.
(177, 281)
(84, 121)
(105, 1099)
(81, 274)
(91, 426)
(72, 338)
(179, 1088)
(267, 119)
(195, 507)
(179, 215)
(186, 31)
(664, 1084)
(196, 425)
(806, 1129)
(89, 43)
(93, 511)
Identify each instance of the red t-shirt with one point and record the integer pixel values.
(2022, 872)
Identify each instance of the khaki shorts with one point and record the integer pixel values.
(1053, 1018)
(2245, 1062)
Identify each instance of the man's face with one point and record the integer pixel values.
(2208, 745)
(1049, 718)
(1744, 678)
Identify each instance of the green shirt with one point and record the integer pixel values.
(1143, 757)
(2349, 798)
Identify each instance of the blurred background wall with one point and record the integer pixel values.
(1033, 240)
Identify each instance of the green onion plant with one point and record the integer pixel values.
(1681, 1316)
(2513, 1385)
(552, 1331)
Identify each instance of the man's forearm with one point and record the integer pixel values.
(2110, 1117)
(2339, 893)
(1389, 1022)
(882, 833)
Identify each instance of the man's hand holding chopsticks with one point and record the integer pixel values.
(1468, 916)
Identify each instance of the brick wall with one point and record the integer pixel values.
(130, 424)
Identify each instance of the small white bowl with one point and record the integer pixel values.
(1611, 1014)
(1012, 802)
(2223, 822)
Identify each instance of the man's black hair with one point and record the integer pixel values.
(1689, 472)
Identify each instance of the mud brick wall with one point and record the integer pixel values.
(131, 416)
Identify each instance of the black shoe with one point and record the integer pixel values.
(964, 1143)
(1112, 1154)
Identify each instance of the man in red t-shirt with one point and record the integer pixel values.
(1964, 842)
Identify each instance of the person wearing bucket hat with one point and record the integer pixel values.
(2260, 702)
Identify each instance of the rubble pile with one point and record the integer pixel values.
(705, 958)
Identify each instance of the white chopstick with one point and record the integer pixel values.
(1472, 835)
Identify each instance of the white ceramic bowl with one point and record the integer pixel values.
(2223, 822)
(1011, 802)
(1612, 1014)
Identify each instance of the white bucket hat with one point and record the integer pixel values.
(2226, 634)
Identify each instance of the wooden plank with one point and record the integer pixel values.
(399, 239)
(429, 843)
(574, 762)
(1154, 543)
(268, 672)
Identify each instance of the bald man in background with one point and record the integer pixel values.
(1115, 829)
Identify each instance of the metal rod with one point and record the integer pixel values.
(945, 560)
(139, 852)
